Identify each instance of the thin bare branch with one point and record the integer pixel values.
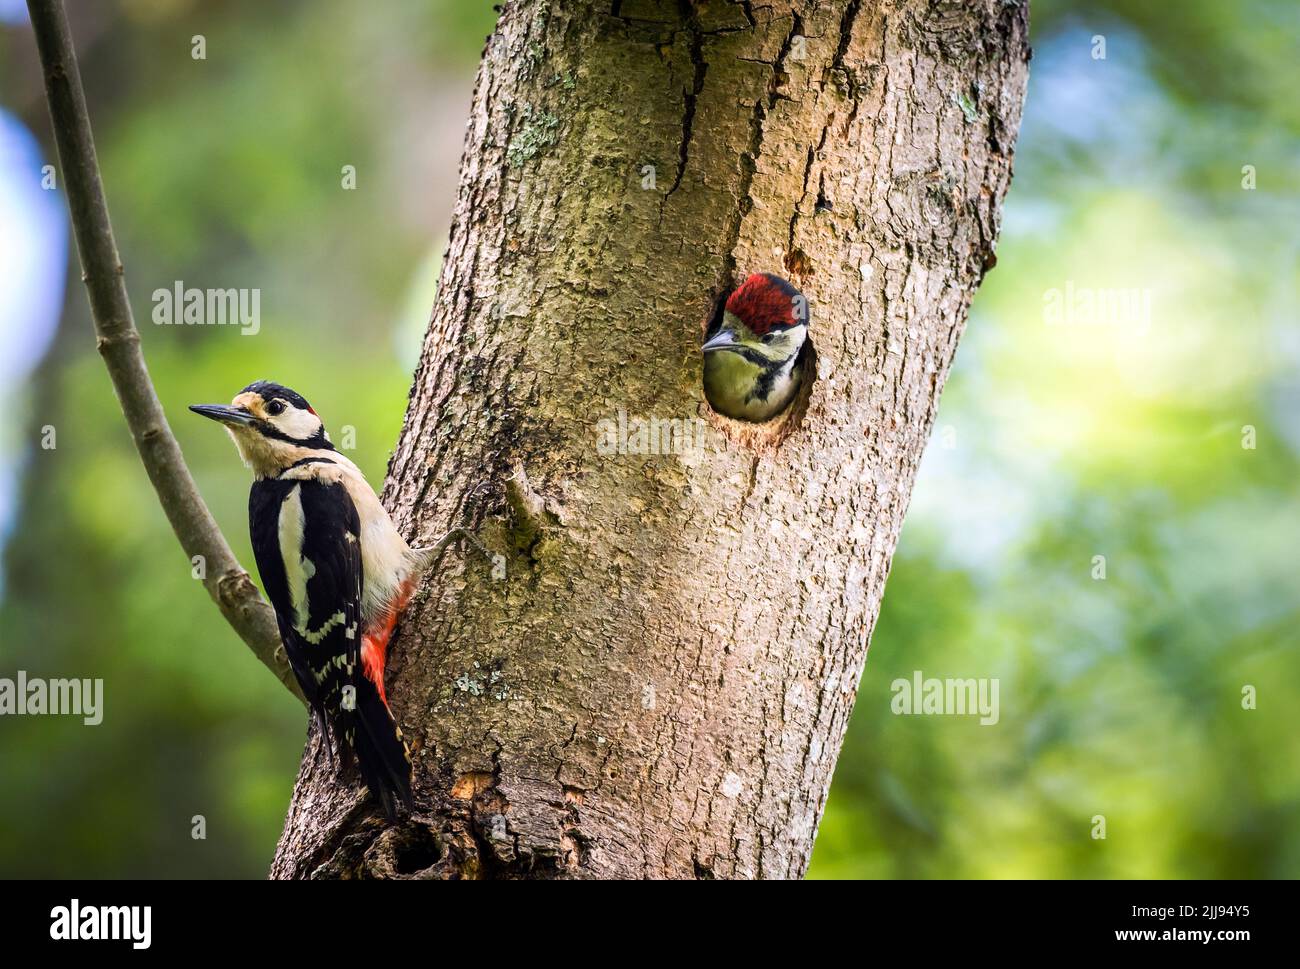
(119, 345)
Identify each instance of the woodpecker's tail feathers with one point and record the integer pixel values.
(382, 756)
(327, 738)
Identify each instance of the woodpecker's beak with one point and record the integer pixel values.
(722, 340)
(223, 413)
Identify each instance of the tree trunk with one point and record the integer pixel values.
(654, 675)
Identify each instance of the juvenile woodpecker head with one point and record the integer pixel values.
(272, 426)
(752, 362)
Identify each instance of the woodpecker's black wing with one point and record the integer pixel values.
(264, 501)
(307, 541)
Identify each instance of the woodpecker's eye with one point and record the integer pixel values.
(275, 408)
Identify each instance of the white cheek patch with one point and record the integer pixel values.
(297, 424)
(786, 344)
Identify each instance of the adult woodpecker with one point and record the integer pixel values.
(336, 570)
(754, 361)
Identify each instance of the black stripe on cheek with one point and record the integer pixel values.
(317, 441)
(299, 464)
(750, 354)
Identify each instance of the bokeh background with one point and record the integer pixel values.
(1055, 444)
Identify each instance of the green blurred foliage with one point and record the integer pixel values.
(1054, 444)
(1119, 697)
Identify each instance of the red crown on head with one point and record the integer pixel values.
(764, 301)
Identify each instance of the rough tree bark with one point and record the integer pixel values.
(659, 684)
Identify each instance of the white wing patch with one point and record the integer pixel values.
(297, 570)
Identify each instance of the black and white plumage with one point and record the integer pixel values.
(336, 571)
